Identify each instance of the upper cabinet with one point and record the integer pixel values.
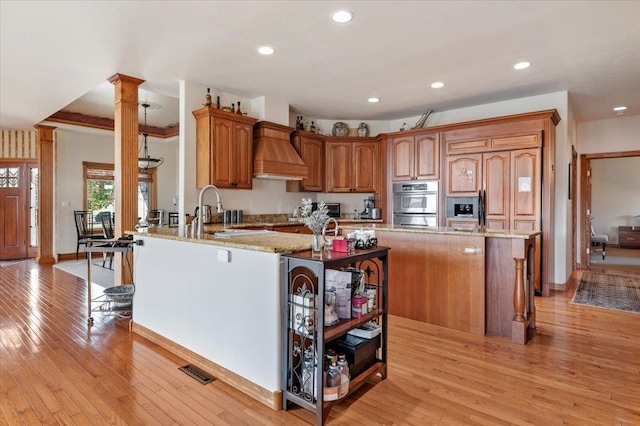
(351, 164)
(224, 143)
(464, 175)
(415, 157)
(310, 147)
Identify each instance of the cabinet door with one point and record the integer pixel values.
(526, 189)
(339, 164)
(496, 178)
(427, 157)
(223, 154)
(365, 161)
(464, 175)
(312, 153)
(402, 158)
(242, 144)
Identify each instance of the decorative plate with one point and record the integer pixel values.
(340, 129)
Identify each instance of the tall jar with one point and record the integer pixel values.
(333, 380)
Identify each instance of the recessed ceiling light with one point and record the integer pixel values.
(620, 108)
(437, 85)
(342, 16)
(373, 100)
(266, 50)
(522, 65)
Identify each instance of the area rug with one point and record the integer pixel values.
(100, 276)
(618, 292)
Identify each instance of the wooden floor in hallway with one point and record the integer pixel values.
(582, 367)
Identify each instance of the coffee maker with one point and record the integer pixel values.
(370, 211)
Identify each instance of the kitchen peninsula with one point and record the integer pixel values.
(216, 302)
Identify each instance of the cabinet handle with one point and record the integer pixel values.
(471, 250)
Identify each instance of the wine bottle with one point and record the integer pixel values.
(233, 107)
(218, 102)
(238, 110)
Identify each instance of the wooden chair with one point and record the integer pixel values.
(84, 228)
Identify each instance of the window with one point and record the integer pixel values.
(99, 190)
(33, 206)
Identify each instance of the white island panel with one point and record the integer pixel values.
(225, 311)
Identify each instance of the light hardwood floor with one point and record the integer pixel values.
(582, 367)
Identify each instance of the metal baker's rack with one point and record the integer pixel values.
(117, 303)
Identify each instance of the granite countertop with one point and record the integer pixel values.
(272, 242)
(492, 233)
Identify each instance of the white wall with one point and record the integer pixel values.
(615, 194)
(617, 134)
(611, 135)
(72, 148)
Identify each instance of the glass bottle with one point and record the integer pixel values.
(332, 383)
(312, 128)
(233, 107)
(238, 110)
(309, 390)
(218, 102)
(343, 367)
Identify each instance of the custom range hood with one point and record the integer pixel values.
(273, 155)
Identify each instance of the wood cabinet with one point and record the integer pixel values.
(303, 327)
(310, 147)
(224, 144)
(351, 165)
(511, 181)
(415, 157)
(464, 175)
(629, 237)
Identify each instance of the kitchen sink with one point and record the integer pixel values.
(230, 233)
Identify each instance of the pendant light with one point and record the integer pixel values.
(146, 162)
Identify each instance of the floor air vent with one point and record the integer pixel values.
(199, 375)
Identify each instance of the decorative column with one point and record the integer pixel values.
(125, 166)
(45, 195)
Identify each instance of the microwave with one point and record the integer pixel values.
(334, 208)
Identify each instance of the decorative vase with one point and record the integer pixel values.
(316, 245)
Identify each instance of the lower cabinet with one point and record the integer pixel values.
(305, 337)
(629, 236)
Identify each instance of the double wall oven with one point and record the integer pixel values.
(415, 204)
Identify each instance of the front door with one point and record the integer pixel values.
(18, 210)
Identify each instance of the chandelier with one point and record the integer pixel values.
(146, 162)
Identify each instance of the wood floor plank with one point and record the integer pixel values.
(581, 367)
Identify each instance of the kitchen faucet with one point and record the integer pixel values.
(200, 217)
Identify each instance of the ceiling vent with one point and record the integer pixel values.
(274, 157)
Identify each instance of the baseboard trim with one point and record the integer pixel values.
(272, 400)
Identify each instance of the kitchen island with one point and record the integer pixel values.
(215, 302)
(469, 279)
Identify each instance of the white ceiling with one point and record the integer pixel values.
(57, 55)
